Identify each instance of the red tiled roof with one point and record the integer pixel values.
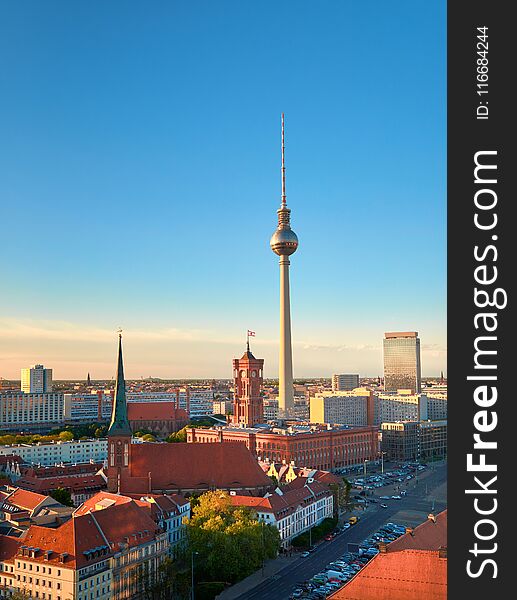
(430, 535)
(185, 466)
(108, 498)
(155, 411)
(25, 499)
(118, 524)
(410, 568)
(286, 503)
(8, 547)
(403, 575)
(74, 483)
(67, 470)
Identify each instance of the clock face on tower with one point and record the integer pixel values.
(243, 373)
(254, 373)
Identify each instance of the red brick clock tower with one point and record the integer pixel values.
(248, 372)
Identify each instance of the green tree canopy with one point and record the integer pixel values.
(63, 496)
(222, 534)
(179, 436)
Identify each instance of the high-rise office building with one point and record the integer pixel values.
(345, 382)
(402, 361)
(284, 242)
(36, 380)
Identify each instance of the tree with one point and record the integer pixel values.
(179, 436)
(63, 496)
(66, 436)
(231, 543)
(101, 432)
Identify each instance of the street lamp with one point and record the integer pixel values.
(192, 595)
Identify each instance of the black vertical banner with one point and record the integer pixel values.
(482, 258)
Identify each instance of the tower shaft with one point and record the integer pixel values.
(285, 360)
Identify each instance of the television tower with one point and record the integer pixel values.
(284, 242)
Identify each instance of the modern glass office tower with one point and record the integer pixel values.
(402, 361)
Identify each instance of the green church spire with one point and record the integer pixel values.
(119, 422)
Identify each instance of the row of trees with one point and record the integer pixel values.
(64, 434)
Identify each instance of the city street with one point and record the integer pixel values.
(417, 505)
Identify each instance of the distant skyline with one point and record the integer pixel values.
(140, 158)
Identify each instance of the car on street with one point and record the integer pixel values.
(305, 554)
(384, 506)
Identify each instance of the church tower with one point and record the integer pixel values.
(248, 371)
(119, 431)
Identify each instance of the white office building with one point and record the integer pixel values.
(343, 408)
(345, 382)
(20, 411)
(36, 380)
(55, 453)
(403, 406)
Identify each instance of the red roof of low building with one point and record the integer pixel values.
(62, 470)
(100, 501)
(403, 575)
(183, 466)
(73, 483)
(412, 567)
(285, 503)
(8, 547)
(429, 535)
(25, 499)
(155, 411)
(85, 536)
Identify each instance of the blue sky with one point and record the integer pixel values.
(140, 155)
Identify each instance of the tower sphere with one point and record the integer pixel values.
(284, 242)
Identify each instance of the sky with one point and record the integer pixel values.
(140, 177)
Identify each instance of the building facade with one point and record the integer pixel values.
(291, 509)
(161, 418)
(317, 448)
(345, 382)
(36, 380)
(35, 411)
(436, 406)
(109, 553)
(402, 361)
(87, 408)
(412, 441)
(198, 402)
(347, 408)
(403, 406)
(55, 453)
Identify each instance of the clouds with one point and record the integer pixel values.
(73, 349)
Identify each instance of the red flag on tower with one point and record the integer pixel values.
(251, 333)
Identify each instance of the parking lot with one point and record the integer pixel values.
(425, 493)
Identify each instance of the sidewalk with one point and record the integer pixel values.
(271, 567)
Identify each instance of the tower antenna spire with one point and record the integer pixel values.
(284, 203)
